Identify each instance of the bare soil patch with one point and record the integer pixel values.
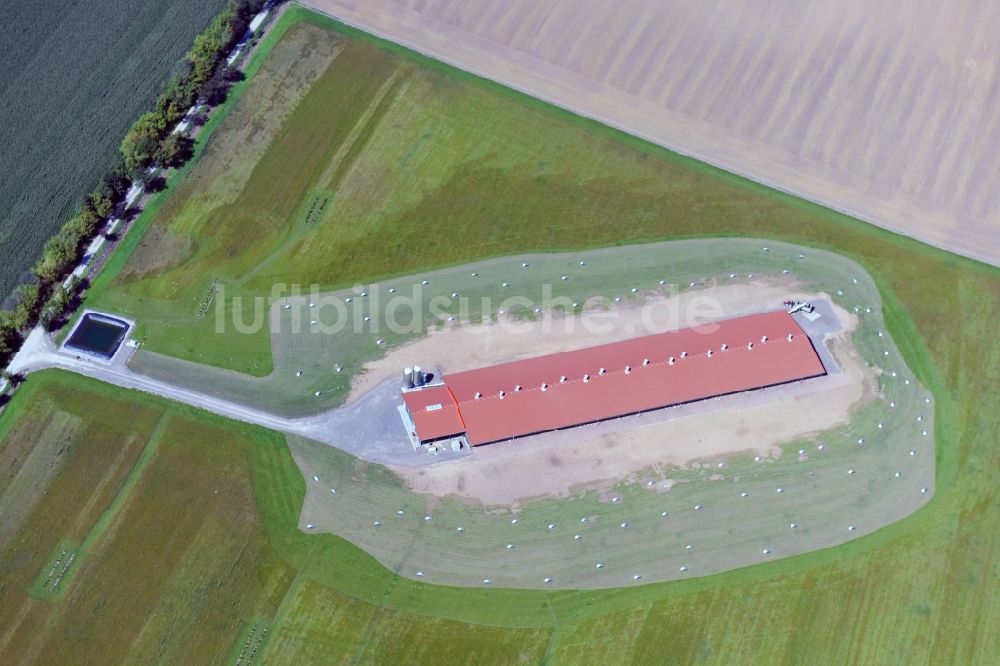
(158, 250)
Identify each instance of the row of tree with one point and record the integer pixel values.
(205, 76)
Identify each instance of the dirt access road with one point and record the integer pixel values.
(888, 112)
(40, 352)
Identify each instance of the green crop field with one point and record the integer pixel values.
(389, 164)
(203, 555)
(190, 549)
(74, 77)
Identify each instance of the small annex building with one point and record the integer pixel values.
(572, 388)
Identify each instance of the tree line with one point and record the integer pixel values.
(47, 297)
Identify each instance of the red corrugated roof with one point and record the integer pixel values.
(434, 412)
(694, 376)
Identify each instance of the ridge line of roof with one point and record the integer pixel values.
(579, 379)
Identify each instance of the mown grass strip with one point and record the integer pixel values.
(109, 515)
(249, 646)
(56, 572)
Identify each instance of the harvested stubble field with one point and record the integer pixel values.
(888, 114)
(918, 591)
(74, 77)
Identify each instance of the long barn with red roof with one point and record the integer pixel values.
(572, 388)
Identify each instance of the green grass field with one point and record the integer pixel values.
(459, 169)
(423, 168)
(819, 495)
(305, 357)
(204, 546)
(183, 532)
(75, 76)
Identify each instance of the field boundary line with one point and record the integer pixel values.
(278, 618)
(78, 551)
(105, 482)
(381, 608)
(253, 637)
(550, 645)
(121, 498)
(340, 165)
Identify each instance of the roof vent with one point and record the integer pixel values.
(763, 338)
(645, 362)
(672, 360)
(545, 387)
(724, 346)
(628, 369)
(478, 395)
(749, 345)
(601, 371)
(517, 388)
(684, 354)
(789, 337)
(502, 394)
(562, 379)
(586, 378)
(710, 353)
